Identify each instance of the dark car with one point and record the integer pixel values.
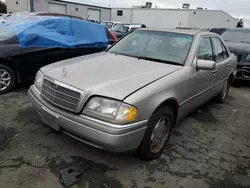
(219, 31)
(238, 42)
(122, 29)
(24, 53)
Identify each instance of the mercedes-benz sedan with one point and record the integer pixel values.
(130, 97)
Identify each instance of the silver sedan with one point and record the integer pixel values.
(130, 97)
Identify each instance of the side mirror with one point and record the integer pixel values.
(205, 65)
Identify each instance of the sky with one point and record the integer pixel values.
(236, 8)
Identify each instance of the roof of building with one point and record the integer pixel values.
(79, 2)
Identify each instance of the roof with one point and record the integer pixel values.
(78, 2)
(180, 31)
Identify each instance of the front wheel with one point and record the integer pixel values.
(157, 134)
(7, 79)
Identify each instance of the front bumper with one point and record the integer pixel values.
(97, 133)
(243, 74)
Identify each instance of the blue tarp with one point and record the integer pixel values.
(57, 32)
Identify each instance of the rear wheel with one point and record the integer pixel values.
(7, 79)
(157, 134)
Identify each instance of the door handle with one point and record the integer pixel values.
(229, 64)
(214, 71)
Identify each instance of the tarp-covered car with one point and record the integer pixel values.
(30, 42)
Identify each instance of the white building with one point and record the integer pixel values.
(151, 17)
(172, 18)
(60, 6)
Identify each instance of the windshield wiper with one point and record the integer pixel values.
(118, 53)
(160, 60)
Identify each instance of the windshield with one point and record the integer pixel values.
(5, 33)
(158, 46)
(121, 28)
(237, 35)
(107, 24)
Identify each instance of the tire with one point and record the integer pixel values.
(224, 93)
(146, 150)
(5, 74)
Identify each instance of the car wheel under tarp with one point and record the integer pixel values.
(7, 79)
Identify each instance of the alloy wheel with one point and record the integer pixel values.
(160, 134)
(5, 79)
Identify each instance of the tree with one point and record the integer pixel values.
(3, 8)
(240, 23)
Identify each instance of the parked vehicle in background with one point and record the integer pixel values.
(4, 17)
(110, 24)
(20, 15)
(130, 97)
(238, 42)
(55, 15)
(111, 37)
(219, 31)
(31, 42)
(122, 29)
(14, 16)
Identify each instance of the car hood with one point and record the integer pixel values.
(238, 47)
(107, 74)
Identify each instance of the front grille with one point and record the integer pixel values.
(60, 96)
(240, 57)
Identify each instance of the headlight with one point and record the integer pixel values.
(248, 57)
(39, 80)
(110, 109)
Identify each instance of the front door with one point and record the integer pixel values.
(200, 82)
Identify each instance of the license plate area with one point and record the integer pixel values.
(50, 119)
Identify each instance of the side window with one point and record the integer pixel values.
(205, 49)
(219, 53)
(119, 12)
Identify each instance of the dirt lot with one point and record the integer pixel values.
(208, 149)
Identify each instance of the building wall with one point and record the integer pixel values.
(126, 17)
(40, 5)
(171, 18)
(160, 18)
(211, 18)
(23, 5)
(72, 8)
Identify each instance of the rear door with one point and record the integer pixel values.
(221, 57)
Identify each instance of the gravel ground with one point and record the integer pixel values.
(208, 149)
